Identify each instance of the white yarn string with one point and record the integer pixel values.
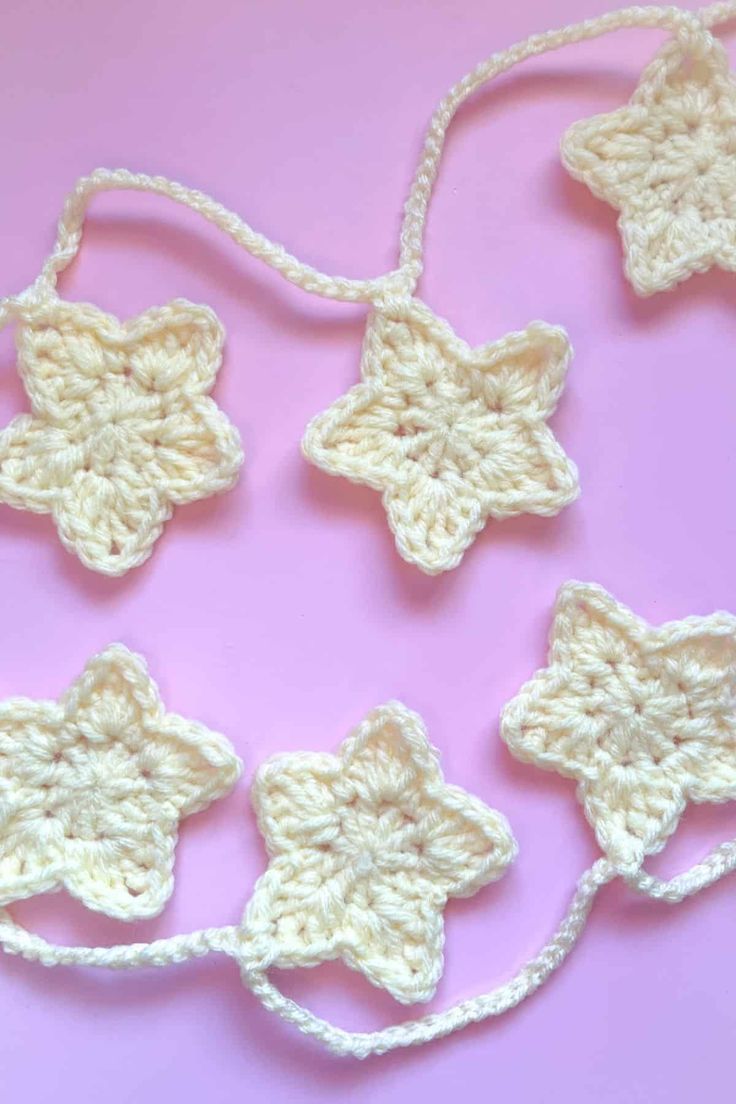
(16, 940)
(402, 281)
(683, 24)
(720, 12)
(105, 180)
(719, 862)
(438, 1024)
(232, 941)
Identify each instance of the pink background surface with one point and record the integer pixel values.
(280, 613)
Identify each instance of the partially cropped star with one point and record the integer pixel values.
(92, 788)
(667, 162)
(366, 847)
(643, 718)
(452, 435)
(122, 428)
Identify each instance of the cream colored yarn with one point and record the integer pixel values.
(366, 846)
(450, 434)
(667, 162)
(472, 461)
(122, 428)
(644, 719)
(92, 788)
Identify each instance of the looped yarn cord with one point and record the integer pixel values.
(437, 1025)
(438, 492)
(688, 27)
(309, 279)
(15, 940)
(627, 832)
(229, 941)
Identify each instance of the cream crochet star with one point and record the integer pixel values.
(122, 429)
(644, 719)
(92, 788)
(667, 162)
(366, 846)
(450, 434)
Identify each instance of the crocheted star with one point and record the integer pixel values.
(92, 788)
(666, 162)
(644, 719)
(450, 434)
(122, 429)
(366, 846)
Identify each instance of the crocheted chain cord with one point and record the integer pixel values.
(689, 28)
(229, 940)
(71, 223)
(234, 942)
(436, 1025)
(685, 25)
(15, 940)
(719, 862)
(531, 976)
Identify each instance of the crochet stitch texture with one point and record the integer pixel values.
(644, 719)
(92, 788)
(666, 162)
(450, 434)
(366, 846)
(122, 429)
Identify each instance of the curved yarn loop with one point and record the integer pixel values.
(684, 24)
(717, 863)
(228, 940)
(329, 821)
(436, 1025)
(398, 283)
(71, 223)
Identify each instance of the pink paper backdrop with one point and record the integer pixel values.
(280, 613)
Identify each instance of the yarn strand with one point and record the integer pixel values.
(71, 224)
(229, 940)
(682, 23)
(689, 28)
(402, 280)
(719, 862)
(16, 940)
(438, 1024)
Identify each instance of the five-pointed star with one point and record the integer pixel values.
(92, 788)
(122, 428)
(366, 846)
(666, 162)
(643, 718)
(450, 434)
